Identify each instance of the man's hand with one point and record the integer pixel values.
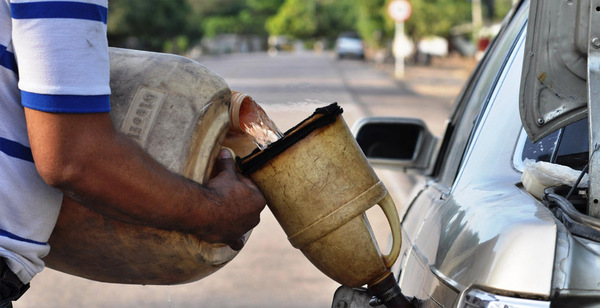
(236, 204)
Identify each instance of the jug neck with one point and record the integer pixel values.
(237, 100)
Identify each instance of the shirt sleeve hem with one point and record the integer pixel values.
(66, 103)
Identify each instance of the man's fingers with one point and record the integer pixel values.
(226, 161)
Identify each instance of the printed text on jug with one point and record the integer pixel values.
(142, 113)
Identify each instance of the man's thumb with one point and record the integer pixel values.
(225, 159)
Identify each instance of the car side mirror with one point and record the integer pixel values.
(398, 142)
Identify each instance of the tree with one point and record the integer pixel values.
(314, 19)
(214, 17)
(149, 23)
(265, 7)
(500, 8)
(254, 16)
(372, 22)
(296, 18)
(436, 17)
(335, 16)
(172, 25)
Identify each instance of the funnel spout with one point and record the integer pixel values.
(388, 293)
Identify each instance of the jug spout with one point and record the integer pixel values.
(247, 116)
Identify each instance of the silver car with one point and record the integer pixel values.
(474, 232)
(349, 45)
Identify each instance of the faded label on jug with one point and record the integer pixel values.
(142, 113)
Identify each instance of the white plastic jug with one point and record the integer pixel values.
(178, 111)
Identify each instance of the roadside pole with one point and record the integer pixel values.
(399, 11)
(477, 18)
(398, 53)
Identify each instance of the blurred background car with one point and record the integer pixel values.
(349, 44)
(429, 47)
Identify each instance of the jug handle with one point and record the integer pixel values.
(389, 209)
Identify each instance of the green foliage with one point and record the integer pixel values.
(254, 16)
(436, 17)
(174, 25)
(372, 22)
(203, 8)
(220, 24)
(216, 17)
(335, 16)
(501, 8)
(150, 22)
(312, 19)
(177, 45)
(296, 18)
(267, 7)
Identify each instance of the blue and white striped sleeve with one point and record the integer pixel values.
(61, 51)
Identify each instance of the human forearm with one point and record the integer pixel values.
(114, 177)
(85, 158)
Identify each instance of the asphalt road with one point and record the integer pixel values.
(269, 272)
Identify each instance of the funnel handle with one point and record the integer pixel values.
(389, 209)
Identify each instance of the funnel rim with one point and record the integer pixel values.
(320, 118)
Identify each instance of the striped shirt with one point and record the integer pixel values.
(53, 58)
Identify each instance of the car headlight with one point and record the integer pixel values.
(478, 298)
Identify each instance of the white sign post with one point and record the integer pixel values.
(399, 11)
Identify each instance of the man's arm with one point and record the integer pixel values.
(83, 156)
